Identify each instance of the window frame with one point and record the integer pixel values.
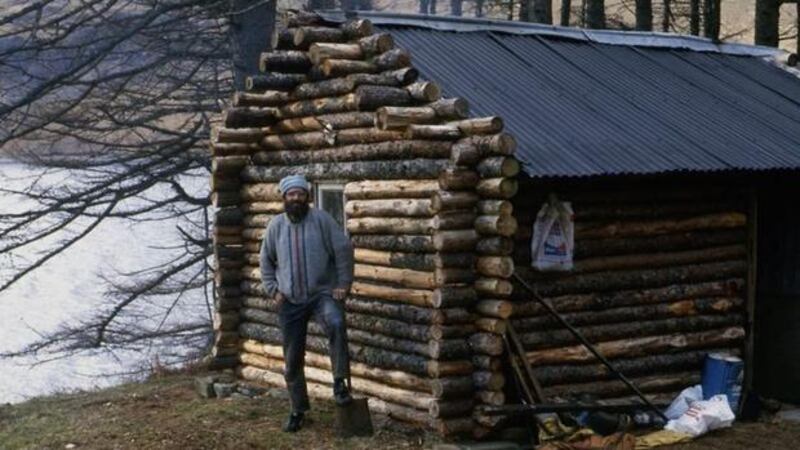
(336, 186)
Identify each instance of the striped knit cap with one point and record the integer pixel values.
(292, 181)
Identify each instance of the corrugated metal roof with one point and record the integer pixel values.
(579, 107)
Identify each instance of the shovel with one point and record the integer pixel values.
(353, 419)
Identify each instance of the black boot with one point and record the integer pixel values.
(341, 393)
(293, 423)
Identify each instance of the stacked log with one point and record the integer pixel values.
(227, 240)
(487, 151)
(341, 103)
(406, 276)
(472, 212)
(658, 282)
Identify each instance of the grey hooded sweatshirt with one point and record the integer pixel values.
(306, 259)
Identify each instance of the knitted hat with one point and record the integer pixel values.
(291, 182)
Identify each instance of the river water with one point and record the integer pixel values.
(67, 288)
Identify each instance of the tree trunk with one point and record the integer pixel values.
(542, 11)
(566, 12)
(712, 22)
(644, 15)
(595, 14)
(694, 17)
(456, 7)
(250, 32)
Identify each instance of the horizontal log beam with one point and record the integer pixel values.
(601, 300)
(379, 189)
(680, 308)
(388, 150)
(389, 208)
(638, 346)
(539, 339)
(404, 169)
(648, 364)
(395, 243)
(632, 279)
(656, 227)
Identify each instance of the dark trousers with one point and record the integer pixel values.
(328, 313)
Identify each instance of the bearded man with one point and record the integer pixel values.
(307, 266)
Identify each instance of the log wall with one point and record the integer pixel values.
(441, 221)
(340, 103)
(659, 281)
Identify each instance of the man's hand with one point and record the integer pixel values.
(280, 298)
(341, 293)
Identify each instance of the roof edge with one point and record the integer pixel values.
(611, 37)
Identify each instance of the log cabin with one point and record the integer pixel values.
(435, 142)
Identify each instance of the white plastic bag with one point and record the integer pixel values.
(553, 237)
(704, 416)
(683, 401)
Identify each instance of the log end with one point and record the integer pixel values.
(384, 42)
(431, 91)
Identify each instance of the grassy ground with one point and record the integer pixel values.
(166, 413)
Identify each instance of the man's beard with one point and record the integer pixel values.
(295, 210)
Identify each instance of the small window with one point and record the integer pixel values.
(329, 197)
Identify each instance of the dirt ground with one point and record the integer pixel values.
(767, 435)
(166, 413)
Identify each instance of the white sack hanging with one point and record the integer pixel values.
(553, 240)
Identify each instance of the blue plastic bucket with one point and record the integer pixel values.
(722, 374)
